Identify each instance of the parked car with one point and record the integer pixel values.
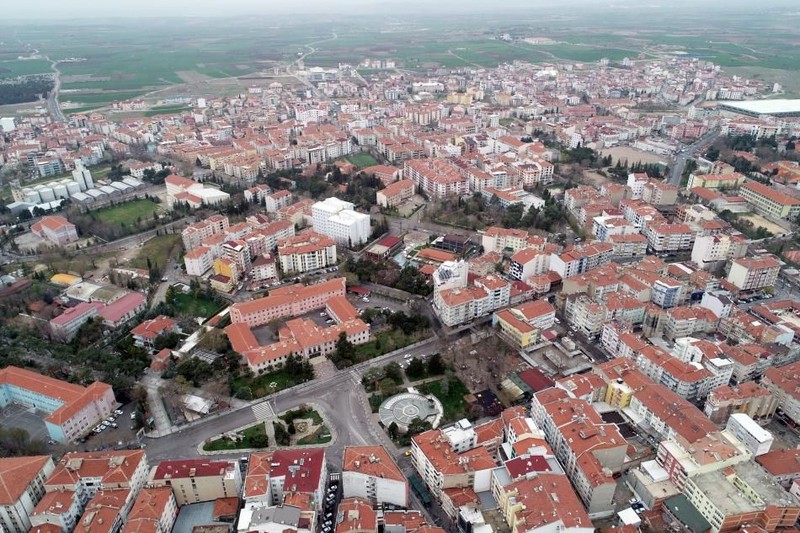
(118, 412)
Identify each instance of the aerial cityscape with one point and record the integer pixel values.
(399, 267)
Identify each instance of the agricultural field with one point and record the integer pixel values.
(24, 67)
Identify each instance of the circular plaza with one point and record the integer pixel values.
(402, 409)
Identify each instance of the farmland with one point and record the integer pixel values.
(118, 61)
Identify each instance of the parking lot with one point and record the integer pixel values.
(18, 416)
(327, 521)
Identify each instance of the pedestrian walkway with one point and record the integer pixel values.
(263, 411)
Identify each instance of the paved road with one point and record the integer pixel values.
(680, 161)
(52, 100)
(340, 397)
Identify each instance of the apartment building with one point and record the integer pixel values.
(754, 273)
(73, 410)
(743, 496)
(56, 229)
(194, 234)
(659, 193)
(22, 480)
(669, 238)
(541, 503)
(756, 439)
(451, 460)
(581, 259)
(523, 324)
(154, 511)
(396, 193)
(198, 480)
(749, 398)
(709, 250)
(782, 464)
(306, 251)
(106, 511)
(438, 178)
(338, 220)
(501, 240)
(464, 304)
(769, 201)
(111, 478)
(277, 200)
(783, 383)
(589, 450)
(199, 260)
(529, 262)
(687, 380)
(275, 477)
(355, 515)
(369, 472)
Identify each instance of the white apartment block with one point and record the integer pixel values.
(338, 220)
(305, 252)
(754, 273)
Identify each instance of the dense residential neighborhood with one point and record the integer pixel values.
(546, 296)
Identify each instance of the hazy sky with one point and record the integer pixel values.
(38, 9)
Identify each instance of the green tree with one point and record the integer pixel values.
(416, 369)
(436, 365)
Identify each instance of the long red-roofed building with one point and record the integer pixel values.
(74, 410)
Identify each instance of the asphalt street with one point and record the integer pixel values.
(689, 152)
(340, 397)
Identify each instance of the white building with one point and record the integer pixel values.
(757, 439)
(82, 176)
(338, 220)
(369, 472)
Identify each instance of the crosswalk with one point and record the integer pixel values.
(263, 411)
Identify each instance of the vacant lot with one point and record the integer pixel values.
(128, 213)
(631, 155)
(761, 222)
(158, 249)
(186, 304)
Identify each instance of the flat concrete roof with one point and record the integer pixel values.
(779, 106)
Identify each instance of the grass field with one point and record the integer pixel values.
(158, 249)
(260, 386)
(187, 305)
(362, 160)
(453, 402)
(98, 98)
(166, 110)
(128, 213)
(251, 438)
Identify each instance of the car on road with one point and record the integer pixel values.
(114, 425)
(118, 412)
(407, 356)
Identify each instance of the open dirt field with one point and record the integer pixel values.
(631, 155)
(759, 221)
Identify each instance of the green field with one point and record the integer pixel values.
(252, 437)
(12, 69)
(158, 250)
(166, 110)
(260, 386)
(185, 304)
(362, 160)
(454, 404)
(128, 213)
(98, 98)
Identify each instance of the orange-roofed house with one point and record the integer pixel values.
(154, 511)
(369, 472)
(21, 479)
(55, 229)
(396, 193)
(74, 410)
(145, 333)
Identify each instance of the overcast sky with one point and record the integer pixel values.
(38, 9)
